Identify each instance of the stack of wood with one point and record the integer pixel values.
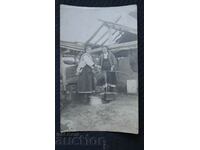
(75, 46)
(118, 47)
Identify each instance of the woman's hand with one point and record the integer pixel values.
(96, 69)
(112, 68)
(77, 73)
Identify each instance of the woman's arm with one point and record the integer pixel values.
(113, 61)
(80, 66)
(101, 60)
(88, 60)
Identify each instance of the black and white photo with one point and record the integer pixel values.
(99, 69)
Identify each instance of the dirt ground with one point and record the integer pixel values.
(120, 115)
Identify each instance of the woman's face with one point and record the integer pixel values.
(88, 48)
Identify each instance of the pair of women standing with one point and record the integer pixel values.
(86, 84)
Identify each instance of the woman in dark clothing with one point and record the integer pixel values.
(86, 75)
(108, 66)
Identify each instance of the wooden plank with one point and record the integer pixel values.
(118, 35)
(73, 49)
(117, 47)
(107, 39)
(119, 27)
(95, 33)
(72, 46)
(101, 37)
(106, 31)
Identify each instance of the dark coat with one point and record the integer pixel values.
(111, 58)
(106, 64)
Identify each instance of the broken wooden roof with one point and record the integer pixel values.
(124, 38)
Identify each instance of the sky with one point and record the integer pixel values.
(77, 24)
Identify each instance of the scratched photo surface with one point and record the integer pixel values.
(98, 69)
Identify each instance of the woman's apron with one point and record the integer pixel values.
(86, 80)
(110, 76)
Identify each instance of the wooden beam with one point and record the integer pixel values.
(117, 47)
(118, 35)
(108, 38)
(107, 31)
(101, 37)
(95, 33)
(72, 46)
(119, 27)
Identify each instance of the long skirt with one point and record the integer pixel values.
(86, 81)
(110, 78)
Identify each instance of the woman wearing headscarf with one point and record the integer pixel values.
(86, 76)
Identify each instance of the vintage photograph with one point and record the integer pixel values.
(98, 69)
